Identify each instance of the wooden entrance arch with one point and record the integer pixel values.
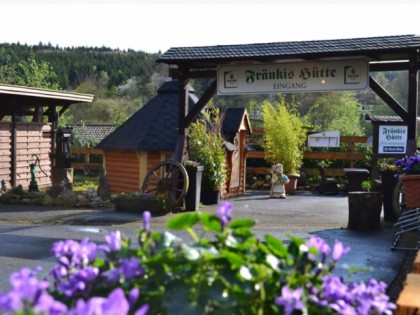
(386, 53)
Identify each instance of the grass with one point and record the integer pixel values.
(81, 182)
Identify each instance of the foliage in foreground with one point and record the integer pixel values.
(231, 272)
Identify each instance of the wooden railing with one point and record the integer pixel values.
(352, 156)
(87, 166)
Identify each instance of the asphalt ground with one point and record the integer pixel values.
(26, 231)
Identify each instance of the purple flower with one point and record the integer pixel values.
(146, 220)
(114, 304)
(29, 293)
(291, 300)
(320, 244)
(114, 240)
(131, 268)
(112, 276)
(142, 310)
(224, 212)
(339, 250)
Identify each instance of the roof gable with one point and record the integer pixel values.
(152, 128)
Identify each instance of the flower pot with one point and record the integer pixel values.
(210, 197)
(192, 198)
(364, 210)
(292, 184)
(387, 188)
(411, 188)
(138, 205)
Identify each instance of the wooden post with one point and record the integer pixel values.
(13, 150)
(180, 149)
(413, 81)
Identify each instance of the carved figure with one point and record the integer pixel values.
(278, 179)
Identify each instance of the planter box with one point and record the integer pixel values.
(138, 205)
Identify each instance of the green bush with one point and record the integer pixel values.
(284, 136)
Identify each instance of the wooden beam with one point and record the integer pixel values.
(413, 85)
(180, 148)
(205, 98)
(389, 66)
(13, 151)
(388, 99)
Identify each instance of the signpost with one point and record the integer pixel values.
(351, 74)
(392, 139)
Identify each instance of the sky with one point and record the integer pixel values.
(157, 25)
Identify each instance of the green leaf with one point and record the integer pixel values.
(241, 223)
(211, 222)
(276, 246)
(234, 259)
(183, 221)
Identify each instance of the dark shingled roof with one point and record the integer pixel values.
(232, 120)
(154, 126)
(83, 134)
(377, 48)
(380, 118)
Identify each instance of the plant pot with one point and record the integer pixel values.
(138, 205)
(364, 210)
(210, 197)
(388, 183)
(411, 188)
(292, 184)
(192, 198)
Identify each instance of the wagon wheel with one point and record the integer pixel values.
(167, 180)
(398, 199)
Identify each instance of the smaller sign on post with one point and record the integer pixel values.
(392, 139)
(325, 139)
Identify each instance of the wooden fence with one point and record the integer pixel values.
(352, 156)
(30, 140)
(87, 166)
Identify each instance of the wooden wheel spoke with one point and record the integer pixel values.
(169, 180)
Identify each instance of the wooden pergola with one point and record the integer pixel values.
(386, 53)
(41, 108)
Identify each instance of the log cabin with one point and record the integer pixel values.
(150, 135)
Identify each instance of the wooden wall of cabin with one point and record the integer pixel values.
(32, 139)
(126, 170)
(123, 171)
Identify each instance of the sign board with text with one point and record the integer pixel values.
(392, 139)
(325, 139)
(351, 74)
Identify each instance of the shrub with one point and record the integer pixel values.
(230, 272)
(284, 137)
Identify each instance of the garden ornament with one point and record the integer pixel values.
(278, 179)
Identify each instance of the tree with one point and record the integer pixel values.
(336, 111)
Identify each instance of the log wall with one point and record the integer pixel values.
(123, 171)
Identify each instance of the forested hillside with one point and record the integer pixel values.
(122, 81)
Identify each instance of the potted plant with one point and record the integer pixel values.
(206, 146)
(283, 139)
(365, 208)
(389, 180)
(195, 174)
(408, 170)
